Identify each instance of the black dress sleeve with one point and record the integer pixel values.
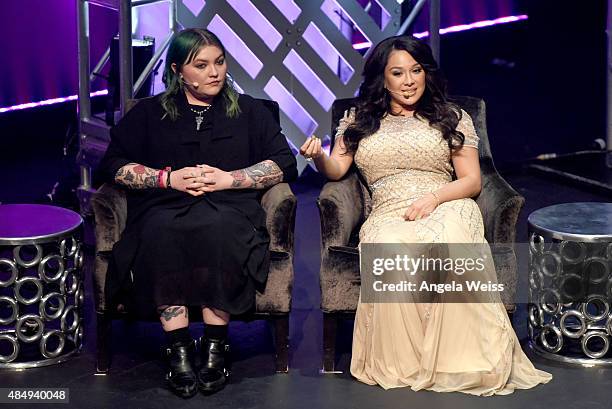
(127, 139)
(273, 142)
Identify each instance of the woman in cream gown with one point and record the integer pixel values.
(408, 166)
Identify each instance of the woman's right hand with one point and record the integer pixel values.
(312, 148)
(183, 180)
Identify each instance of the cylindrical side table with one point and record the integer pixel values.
(41, 286)
(570, 284)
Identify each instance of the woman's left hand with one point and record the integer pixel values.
(421, 208)
(211, 179)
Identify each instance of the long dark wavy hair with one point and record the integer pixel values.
(183, 49)
(374, 102)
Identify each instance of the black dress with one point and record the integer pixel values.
(177, 249)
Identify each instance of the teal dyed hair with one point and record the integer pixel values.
(183, 49)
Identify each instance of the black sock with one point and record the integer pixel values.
(215, 331)
(179, 335)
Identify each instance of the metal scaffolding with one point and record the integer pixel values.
(93, 132)
(434, 24)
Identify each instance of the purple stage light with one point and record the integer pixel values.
(235, 46)
(385, 17)
(290, 106)
(324, 48)
(195, 6)
(288, 8)
(291, 11)
(458, 28)
(362, 46)
(309, 79)
(253, 17)
(483, 23)
(329, 7)
(49, 101)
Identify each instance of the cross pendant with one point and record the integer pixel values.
(199, 120)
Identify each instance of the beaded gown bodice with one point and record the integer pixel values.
(405, 159)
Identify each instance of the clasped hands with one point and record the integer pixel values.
(200, 179)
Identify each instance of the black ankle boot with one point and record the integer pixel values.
(181, 375)
(214, 371)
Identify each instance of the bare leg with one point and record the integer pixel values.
(174, 317)
(214, 316)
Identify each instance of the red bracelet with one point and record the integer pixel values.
(160, 181)
(168, 169)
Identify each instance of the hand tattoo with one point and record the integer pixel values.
(259, 176)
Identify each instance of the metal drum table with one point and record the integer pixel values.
(41, 288)
(570, 285)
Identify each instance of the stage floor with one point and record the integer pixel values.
(136, 378)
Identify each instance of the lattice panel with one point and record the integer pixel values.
(297, 52)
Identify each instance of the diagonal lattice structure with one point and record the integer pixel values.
(297, 52)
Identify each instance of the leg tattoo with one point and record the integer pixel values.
(173, 312)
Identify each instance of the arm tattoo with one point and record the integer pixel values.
(172, 312)
(137, 176)
(239, 176)
(259, 176)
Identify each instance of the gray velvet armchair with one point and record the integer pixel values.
(109, 206)
(344, 205)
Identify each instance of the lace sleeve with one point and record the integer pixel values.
(466, 126)
(349, 117)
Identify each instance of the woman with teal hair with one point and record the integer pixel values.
(195, 161)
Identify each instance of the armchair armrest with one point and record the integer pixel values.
(341, 209)
(109, 206)
(500, 205)
(280, 203)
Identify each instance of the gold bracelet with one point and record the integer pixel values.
(437, 198)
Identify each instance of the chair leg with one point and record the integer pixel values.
(330, 330)
(103, 337)
(281, 335)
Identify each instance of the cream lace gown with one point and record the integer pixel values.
(469, 347)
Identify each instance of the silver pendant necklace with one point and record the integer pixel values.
(200, 115)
